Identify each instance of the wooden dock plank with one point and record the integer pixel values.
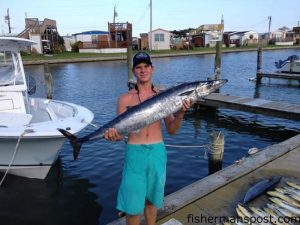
(289, 76)
(260, 106)
(222, 201)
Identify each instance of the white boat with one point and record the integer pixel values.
(29, 140)
(290, 65)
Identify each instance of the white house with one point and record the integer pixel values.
(160, 39)
(211, 37)
(68, 42)
(89, 36)
(248, 37)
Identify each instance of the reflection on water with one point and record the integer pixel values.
(57, 200)
(86, 184)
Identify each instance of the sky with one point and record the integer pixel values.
(73, 16)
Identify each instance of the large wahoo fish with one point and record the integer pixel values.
(156, 108)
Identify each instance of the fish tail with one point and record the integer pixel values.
(75, 142)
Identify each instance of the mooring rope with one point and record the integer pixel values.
(212, 147)
(208, 146)
(15, 152)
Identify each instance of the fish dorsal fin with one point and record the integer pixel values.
(186, 93)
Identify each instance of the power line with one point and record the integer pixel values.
(142, 15)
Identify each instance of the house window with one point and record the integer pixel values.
(159, 37)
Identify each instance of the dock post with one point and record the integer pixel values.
(130, 82)
(218, 59)
(292, 64)
(259, 63)
(215, 154)
(48, 81)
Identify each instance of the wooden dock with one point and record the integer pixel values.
(253, 105)
(278, 75)
(217, 195)
(287, 76)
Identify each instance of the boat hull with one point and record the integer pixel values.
(33, 157)
(295, 68)
(29, 140)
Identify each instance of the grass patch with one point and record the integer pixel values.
(72, 55)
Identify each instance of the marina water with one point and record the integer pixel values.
(85, 191)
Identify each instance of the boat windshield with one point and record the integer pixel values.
(10, 69)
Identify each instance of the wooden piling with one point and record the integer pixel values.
(215, 154)
(130, 82)
(48, 81)
(218, 59)
(259, 63)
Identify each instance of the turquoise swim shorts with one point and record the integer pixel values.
(144, 177)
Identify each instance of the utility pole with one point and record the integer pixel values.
(7, 18)
(150, 38)
(115, 15)
(269, 36)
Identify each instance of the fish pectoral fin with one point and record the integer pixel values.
(187, 93)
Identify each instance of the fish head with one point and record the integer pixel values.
(204, 88)
(198, 89)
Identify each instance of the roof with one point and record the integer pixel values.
(14, 44)
(231, 33)
(161, 30)
(91, 32)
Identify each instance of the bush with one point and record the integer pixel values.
(57, 49)
(75, 47)
(34, 52)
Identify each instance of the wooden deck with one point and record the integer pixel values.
(253, 105)
(217, 195)
(286, 76)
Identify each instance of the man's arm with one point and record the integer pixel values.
(174, 123)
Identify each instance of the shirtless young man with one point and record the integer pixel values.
(144, 173)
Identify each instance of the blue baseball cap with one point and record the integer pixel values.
(141, 57)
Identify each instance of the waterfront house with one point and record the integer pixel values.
(230, 39)
(179, 42)
(282, 36)
(160, 39)
(206, 35)
(44, 33)
(91, 41)
(117, 39)
(248, 37)
(239, 38)
(120, 35)
(68, 42)
(297, 35)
